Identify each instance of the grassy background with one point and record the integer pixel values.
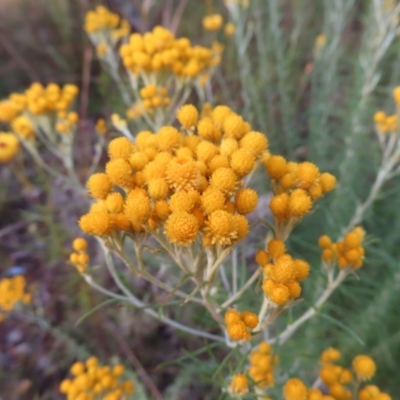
(315, 106)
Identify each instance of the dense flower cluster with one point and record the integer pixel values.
(239, 325)
(12, 291)
(296, 186)
(9, 147)
(181, 183)
(79, 257)
(91, 381)
(282, 273)
(262, 363)
(239, 385)
(159, 51)
(102, 20)
(348, 253)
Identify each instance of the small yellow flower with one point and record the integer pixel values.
(238, 385)
(99, 185)
(188, 116)
(9, 147)
(295, 389)
(181, 228)
(364, 367)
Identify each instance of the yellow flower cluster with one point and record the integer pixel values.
(282, 273)
(295, 389)
(372, 392)
(239, 325)
(9, 147)
(101, 127)
(262, 363)
(296, 187)
(388, 123)
(239, 385)
(152, 97)
(212, 22)
(22, 126)
(11, 107)
(181, 182)
(12, 291)
(91, 381)
(160, 51)
(101, 19)
(348, 253)
(79, 257)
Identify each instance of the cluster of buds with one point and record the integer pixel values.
(347, 253)
(262, 364)
(102, 23)
(295, 389)
(180, 183)
(296, 186)
(12, 291)
(160, 51)
(79, 257)
(282, 273)
(239, 325)
(92, 381)
(9, 147)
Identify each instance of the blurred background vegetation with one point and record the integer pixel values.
(314, 100)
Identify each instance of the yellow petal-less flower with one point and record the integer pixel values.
(364, 367)
(181, 228)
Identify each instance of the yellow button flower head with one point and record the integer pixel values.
(212, 22)
(99, 185)
(364, 367)
(255, 142)
(276, 167)
(327, 182)
(181, 228)
(121, 222)
(307, 174)
(115, 203)
(229, 29)
(162, 209)
(338, 391)
(220, 227)
(228, 146)
(279, 206)
(302, 269)
(182, 174)
(9, 147)
(22, 126)
(250, 319)
(79, 244)
(299, 203)
(120, 172)
(138, 160)
(168, 138)
(158, 188)
(238, 331)
(219, 115)
(8, 111)
(137, 207)
(234, 126)
(372, 392)
(315, 394)
(145, 139)
(206, 150)
(246, 201)
(276, 248)
(277, 292)
(183, 201)
(262, 258)
(238, 385)
(12, 291)
(120, 147)
(295, 389)
(188, 116)
(242, 162)
(284, 269)
(212, 199)
(225, 180)
(324, 241)
(232, 316)
(207, 130)
(294, 289)
(96, 223)
(242, 226)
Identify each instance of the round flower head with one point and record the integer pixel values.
(212, 22)
(206, 150)
(207, 130)
(307, 174)
(242, 162)
(168, 138)
(364, 367)
(262, 258)
(96, 223)
(120, 172)
(294, 289)
(242, 226)
(219, 114)
(145, 139)
(187, 116)
(218, 161)
(278, 293)
(324, 242)
(79, 244)
(295, 389)
(138, 160)
(184, 153)
(225, 180)
(327, 182)
(338, 391)
(228, 146)
(220, 227)
(238, 385)
(183, 201)
(284, 269)
(154, 170)
(158, 188)
(9, 147)
(120, 148)
(255, 142)
(181, 228)
(302, 269)
(250, 319)
(99, 185)
(246, 201)
(182, 174)
(238, 331)
(191, 142)
(121, 222)
(212, 199)
(232, 316)
(276, 167)
(115, 203)
(276, 248)
(299, 203)
(137, 207)
(234, 126)
(288, 181)
(162, 209)
(279, 206)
